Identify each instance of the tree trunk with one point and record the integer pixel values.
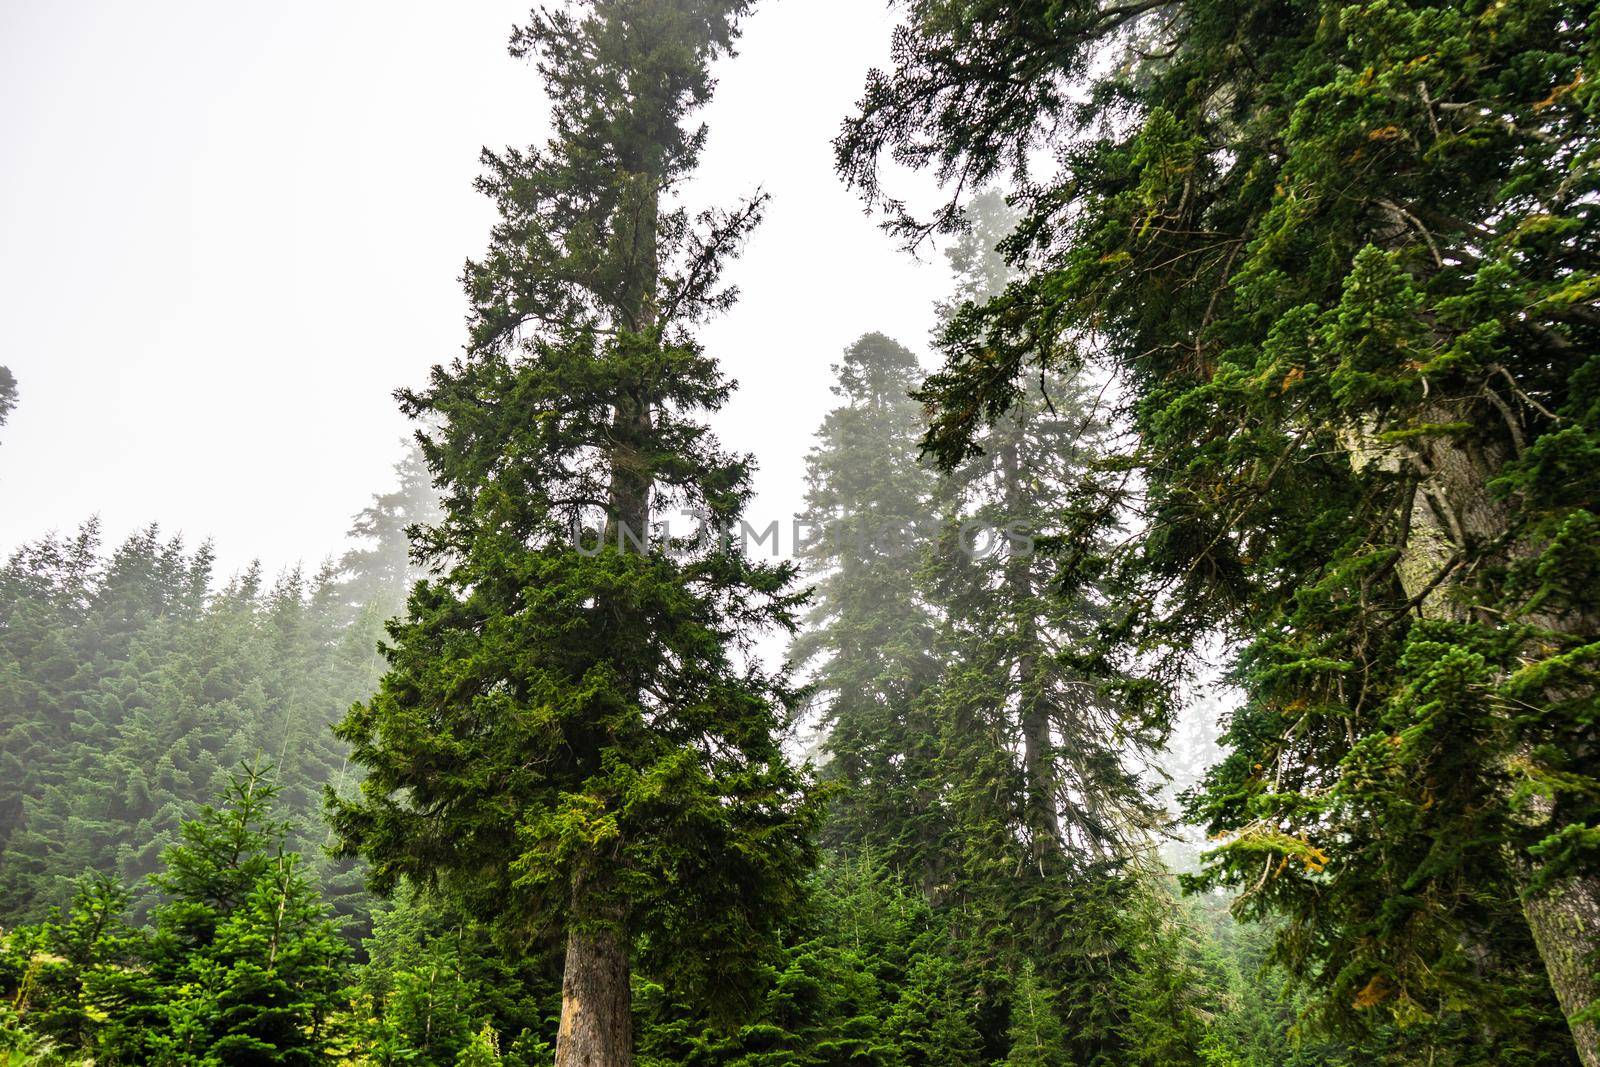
(1453, 510)
(596, 1006)
(1034, 711)
(1565, 920)
(596, 1002)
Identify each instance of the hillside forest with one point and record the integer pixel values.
(1198, 665)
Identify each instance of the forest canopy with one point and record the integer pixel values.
(1266, 377)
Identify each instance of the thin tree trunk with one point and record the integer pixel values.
(1038, 748)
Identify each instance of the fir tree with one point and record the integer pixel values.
(870, 633)
(570, 739)
(1026, 715)
(931, 1024)
(8, 394)
(1036, 1034)
(1348, 287)
(245, 965)
(134, 686)
(378, 570)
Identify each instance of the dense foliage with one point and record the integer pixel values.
(242, 963)
(573, 739)
(131, 685)
(1279, 339)
(1341, 261)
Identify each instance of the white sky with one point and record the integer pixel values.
(229, 231)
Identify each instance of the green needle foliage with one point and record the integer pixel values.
(1340, 261)
(572, 739)
(8, 394)
(871, 634)
(131, 684)
(242, 964)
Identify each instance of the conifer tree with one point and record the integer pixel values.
(8, 394)
(245, 965)
(378, 569)
(57, 973)
(1348, 285)
(434, 976)
(572, 739)
(133, 686)
(1025, 718)
(1036, 1034)
(871, 634)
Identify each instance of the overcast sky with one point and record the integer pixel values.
(229, 231)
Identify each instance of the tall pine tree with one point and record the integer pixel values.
(574, 739)
(871, 634)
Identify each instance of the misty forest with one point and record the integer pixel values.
(1193, 660)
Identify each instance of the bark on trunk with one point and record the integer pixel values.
(1452, 511)
(596, 1005)
(1038, 748)
(1565, 921)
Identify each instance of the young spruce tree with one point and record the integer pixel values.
(572, 739)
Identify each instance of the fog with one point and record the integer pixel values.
(227, 233)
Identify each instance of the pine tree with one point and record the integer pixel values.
(133, 686)
(870, 504)
(8, 394)
(378, 571)
(245, 965)
(1347, 284)
(1036, 1035)
(1026, 716)
(570, 739)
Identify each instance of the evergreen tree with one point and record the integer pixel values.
(571, 739)
(931, 1024)
(1026, 716)
(1037, 1036)
(378, 570)
(133, 685)
(56, 973)
(1347, 284)
(8, 394)
(980, 751)
(243, 965)
(870, 632)
(434, 976)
